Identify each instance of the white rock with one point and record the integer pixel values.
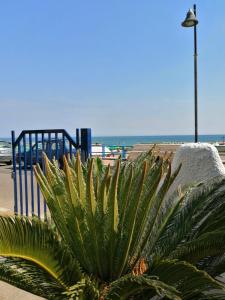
(200, 162)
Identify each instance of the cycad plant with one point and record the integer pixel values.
(115, 235)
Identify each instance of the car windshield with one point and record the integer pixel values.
(46, 145)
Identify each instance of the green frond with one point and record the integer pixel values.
(112, 205)
(213, 265)
(80, 181)
(187, 279)
(112, 217)
(85, 289)
(197, 202)
(29, 277)
(152, 210)
(127, 232)
(140, 287)
(34, 241)
(147, 205)
(209, 244)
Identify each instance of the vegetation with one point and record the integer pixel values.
(115, 235)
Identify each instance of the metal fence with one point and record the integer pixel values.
(27, 150)
(110, 152)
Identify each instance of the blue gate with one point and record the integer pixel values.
(27, 150)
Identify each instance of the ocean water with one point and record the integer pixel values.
(131, 140)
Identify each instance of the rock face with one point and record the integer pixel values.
(200, 161)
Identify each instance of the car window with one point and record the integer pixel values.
(51, 145)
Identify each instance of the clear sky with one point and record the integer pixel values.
(121, 67)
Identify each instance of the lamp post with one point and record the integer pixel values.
(191, 21)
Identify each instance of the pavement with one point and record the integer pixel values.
(9, 292)
(6, 187)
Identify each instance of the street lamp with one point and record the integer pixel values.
(191, 21)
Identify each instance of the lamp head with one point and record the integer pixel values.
(190, 19)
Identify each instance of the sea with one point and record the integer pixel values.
(148, 139)
(132, 140)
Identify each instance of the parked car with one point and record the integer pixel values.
(53, 148)
(5, 152)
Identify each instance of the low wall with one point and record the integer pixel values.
(161, 148)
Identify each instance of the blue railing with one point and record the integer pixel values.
(27, 150)
(110, 152)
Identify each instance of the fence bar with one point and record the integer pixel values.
(70, 150)
(78, 137)
(43, 168)
(31, 173)
(25, 173)
(49, 146)
(37, 162)
(56, 146)
(20, 180)
(85, 143)
(14, 172)
(63, 143)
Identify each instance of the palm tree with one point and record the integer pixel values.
(115, 235)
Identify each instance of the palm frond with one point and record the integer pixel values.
(154, 224)
(34, 241)
(67, 204)
(208, 244)
(213, 265)
(187, 218)
(141, 287)
(29, 277)
(191, 282)
(85, 289)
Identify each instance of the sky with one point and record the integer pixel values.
(118, 67)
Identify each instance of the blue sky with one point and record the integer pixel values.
(119, 67)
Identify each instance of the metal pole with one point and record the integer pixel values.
(195, 79)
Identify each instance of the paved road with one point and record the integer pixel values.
(7, 192)
(6, 187)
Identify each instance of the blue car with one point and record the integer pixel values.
(53, 148)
